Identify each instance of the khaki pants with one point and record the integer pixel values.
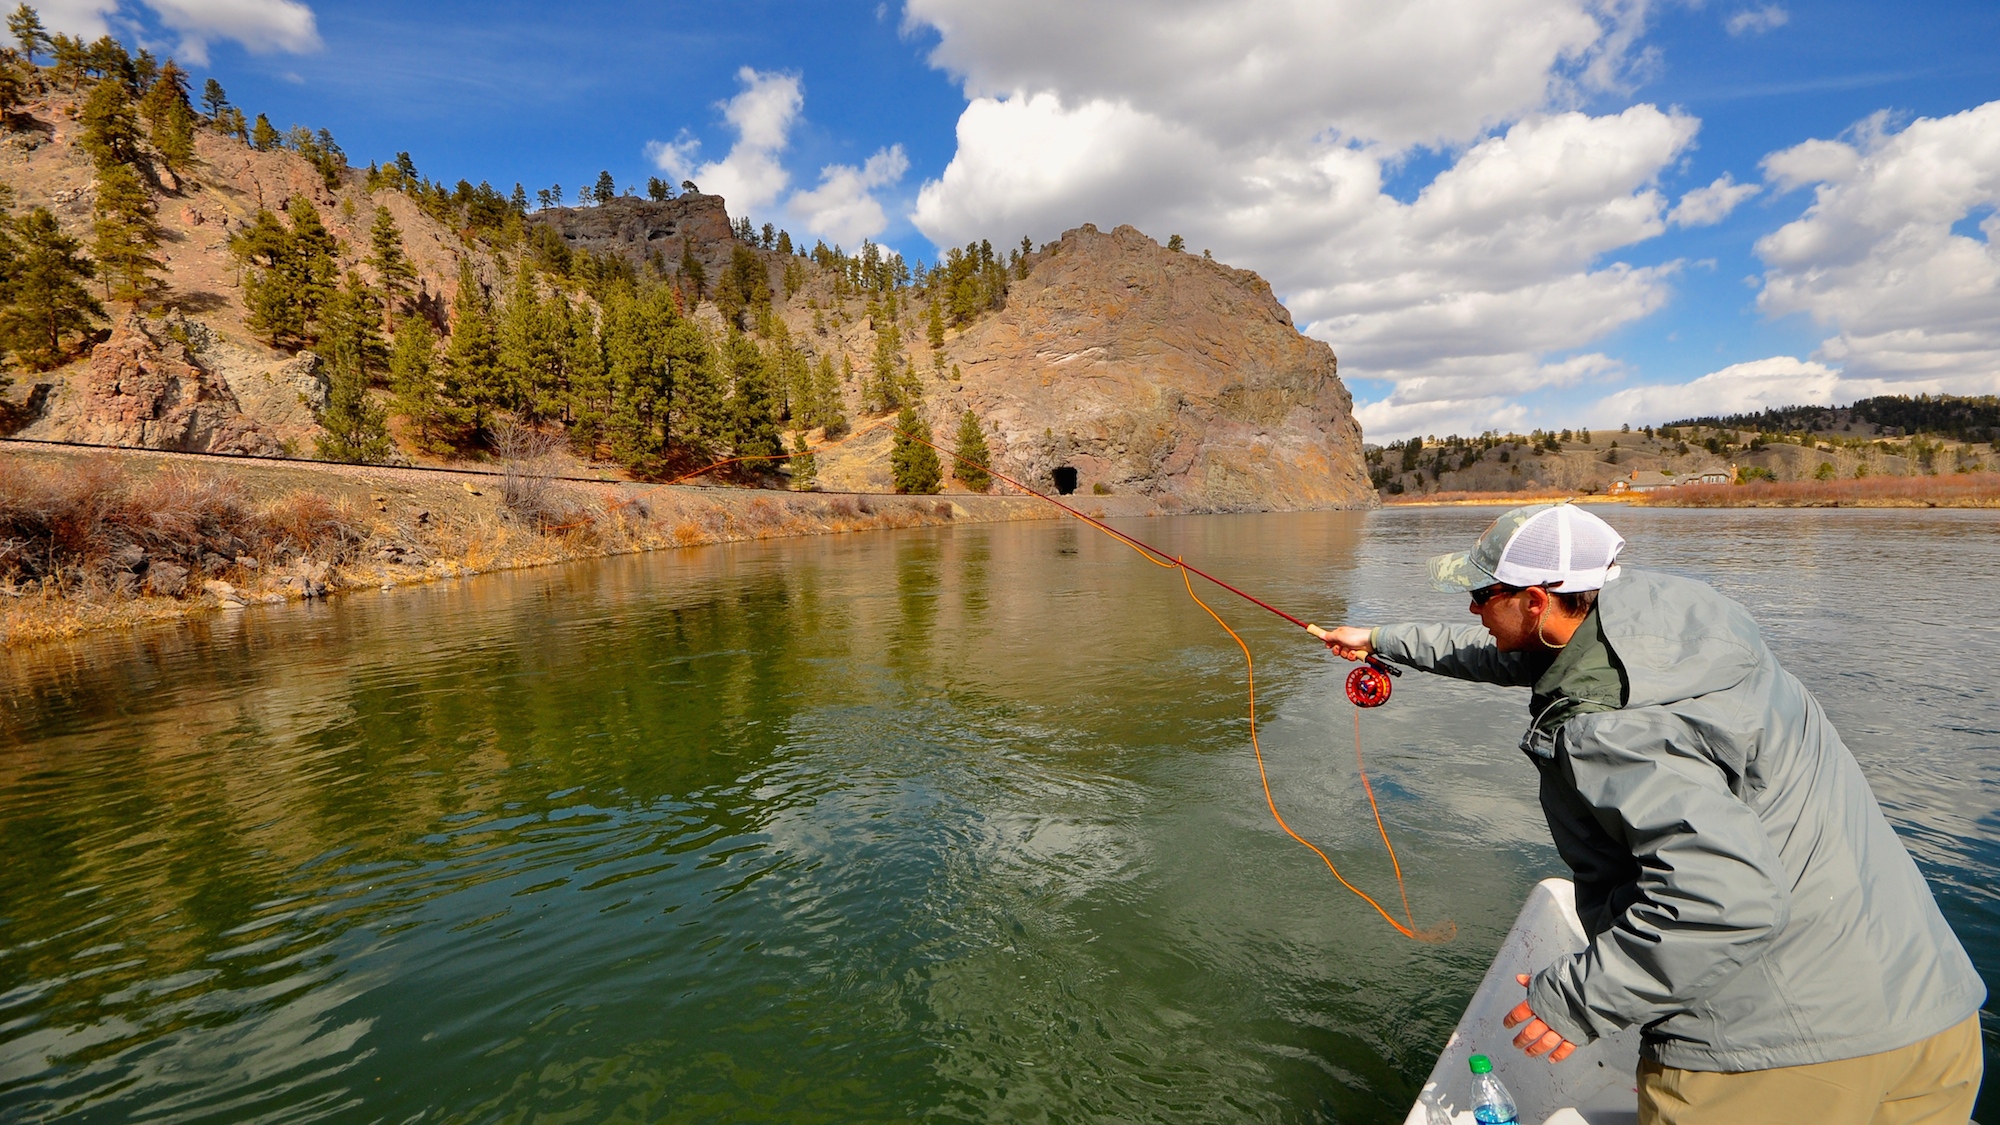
(1932, 1082)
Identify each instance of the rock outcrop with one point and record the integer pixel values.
(648, 232)
(1160, 373)
(146, 388)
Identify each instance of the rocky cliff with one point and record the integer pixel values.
(649, 233)
(1152, 372)
(146, 388)
(1163, 373)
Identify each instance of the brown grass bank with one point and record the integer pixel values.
(1511, 499)
(1956, 490)
(95, 540)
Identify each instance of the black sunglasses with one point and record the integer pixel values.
(1487, 593)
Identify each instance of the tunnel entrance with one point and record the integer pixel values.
(1065, 477)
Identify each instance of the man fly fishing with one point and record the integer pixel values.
(1748, 904)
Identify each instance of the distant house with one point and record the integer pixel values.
(1644, 480)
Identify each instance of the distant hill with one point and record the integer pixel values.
(1964, 418)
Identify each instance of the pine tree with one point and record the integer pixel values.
(658, 190)
(700, 419)
(589, 384)
(12, 90)
(291, 273)
(174, 138)
(213, 99)
(46, 301)
(805, 467)
(639, 382)
(126, 235)
(885, 389)
(25, 24)
(413, 378)
(936, 328)
(913, 463)
(169, 89)
(110, 126)
(753, 406)
(606, 189)
(827, 409)
(525, 351)
(263, 137)
(356, 427)
(974, 462)
(471, 382)
(743, 296)
(393, 271)
(693, 274)
(70, 59)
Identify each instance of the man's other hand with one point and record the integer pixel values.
(1537, 1038)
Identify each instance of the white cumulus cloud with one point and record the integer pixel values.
(751, 177)
(1757, 21)
(1707, 206)
(259, 25)
(1740, 388)
(1897, 252)
(1420, 72)
(1274, 134)
(843, 209)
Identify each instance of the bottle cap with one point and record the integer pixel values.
(1481, 1064)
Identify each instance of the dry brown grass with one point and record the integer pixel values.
(95, 528)
(1957, 490)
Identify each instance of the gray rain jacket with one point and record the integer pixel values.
(1747, 902)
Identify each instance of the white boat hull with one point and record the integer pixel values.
(1594, 1086)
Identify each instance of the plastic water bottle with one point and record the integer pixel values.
(1491, 1103)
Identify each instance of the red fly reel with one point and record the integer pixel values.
(1368, 685)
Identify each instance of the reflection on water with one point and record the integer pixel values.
(956, 824)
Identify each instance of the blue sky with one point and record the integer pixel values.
(1483, 206)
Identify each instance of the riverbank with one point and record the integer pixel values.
(1946, 490)
(1954, 490)
(97, 539)
(1487, 499)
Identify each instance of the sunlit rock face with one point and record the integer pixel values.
(1158, 373)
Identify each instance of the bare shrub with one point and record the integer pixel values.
(310, 524)
(527, 487)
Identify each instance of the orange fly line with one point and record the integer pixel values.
(1443, 931)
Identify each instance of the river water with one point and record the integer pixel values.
(951, 824)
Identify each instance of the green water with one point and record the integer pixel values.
(953, 824)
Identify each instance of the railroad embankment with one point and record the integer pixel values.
(99, 539)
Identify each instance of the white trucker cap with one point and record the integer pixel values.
(1560, 546)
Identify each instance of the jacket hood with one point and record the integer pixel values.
(1676, 637)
